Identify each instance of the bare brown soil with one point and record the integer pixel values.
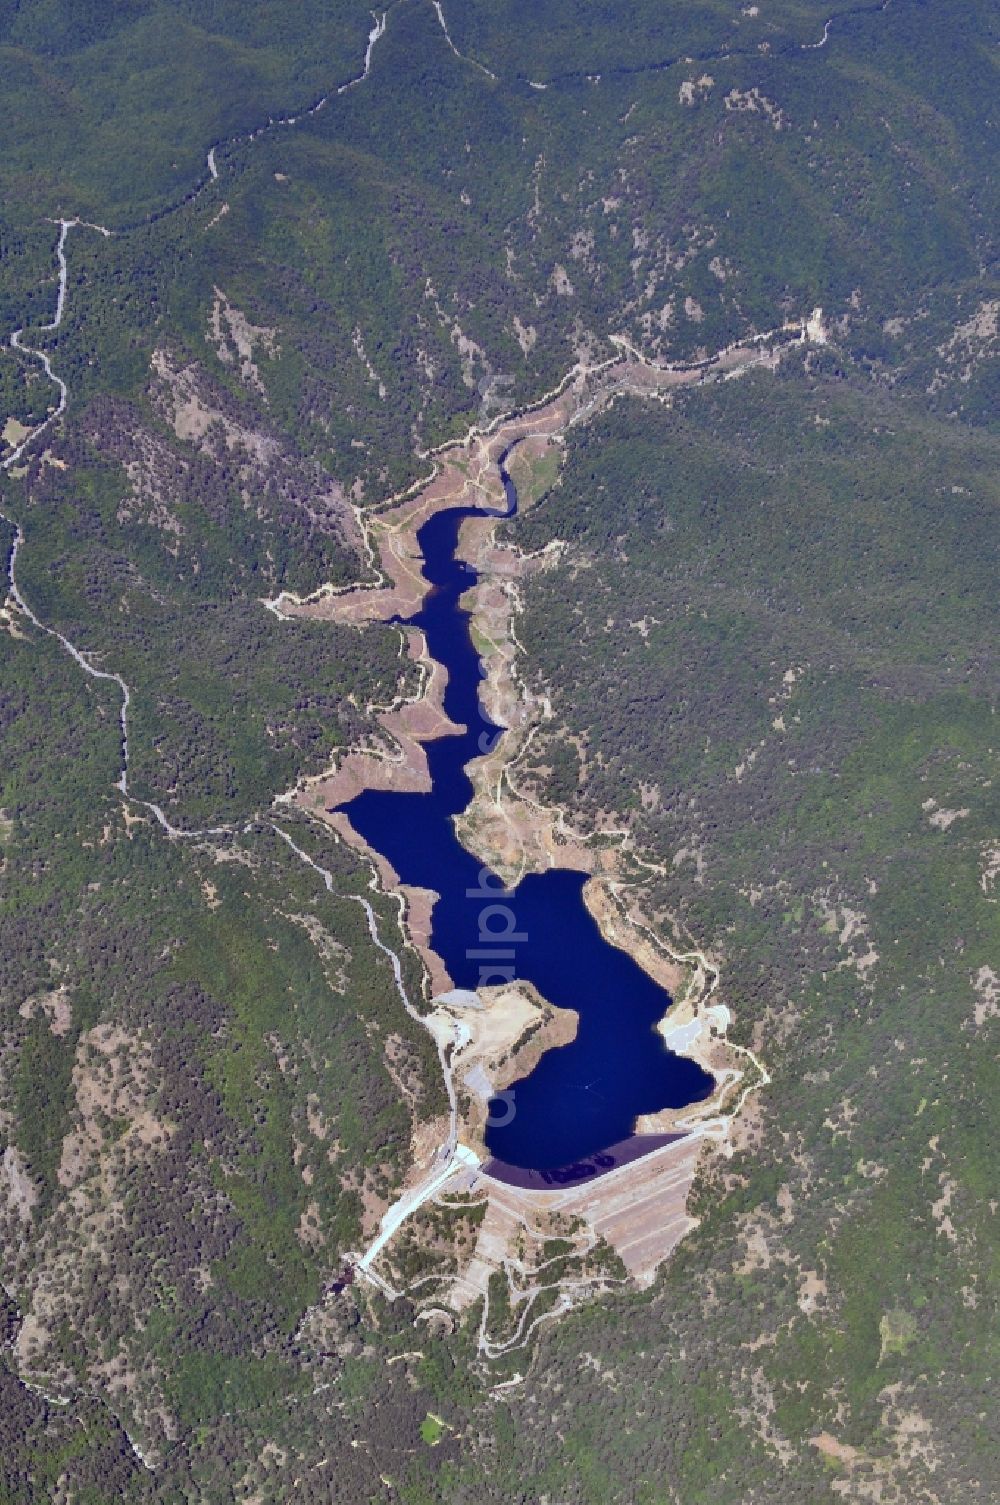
(500, 1042)
(503, 825)
(622, 930)
(419, 903)
(639, 1209)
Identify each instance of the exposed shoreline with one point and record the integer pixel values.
(507, 830)
(486, 1042)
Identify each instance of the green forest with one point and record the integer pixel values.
(769, 643)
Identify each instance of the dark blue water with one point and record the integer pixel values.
(580, 1097)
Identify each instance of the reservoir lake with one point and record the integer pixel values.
(581, 1098)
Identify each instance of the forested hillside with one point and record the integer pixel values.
(773, 629)
(768, 640)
